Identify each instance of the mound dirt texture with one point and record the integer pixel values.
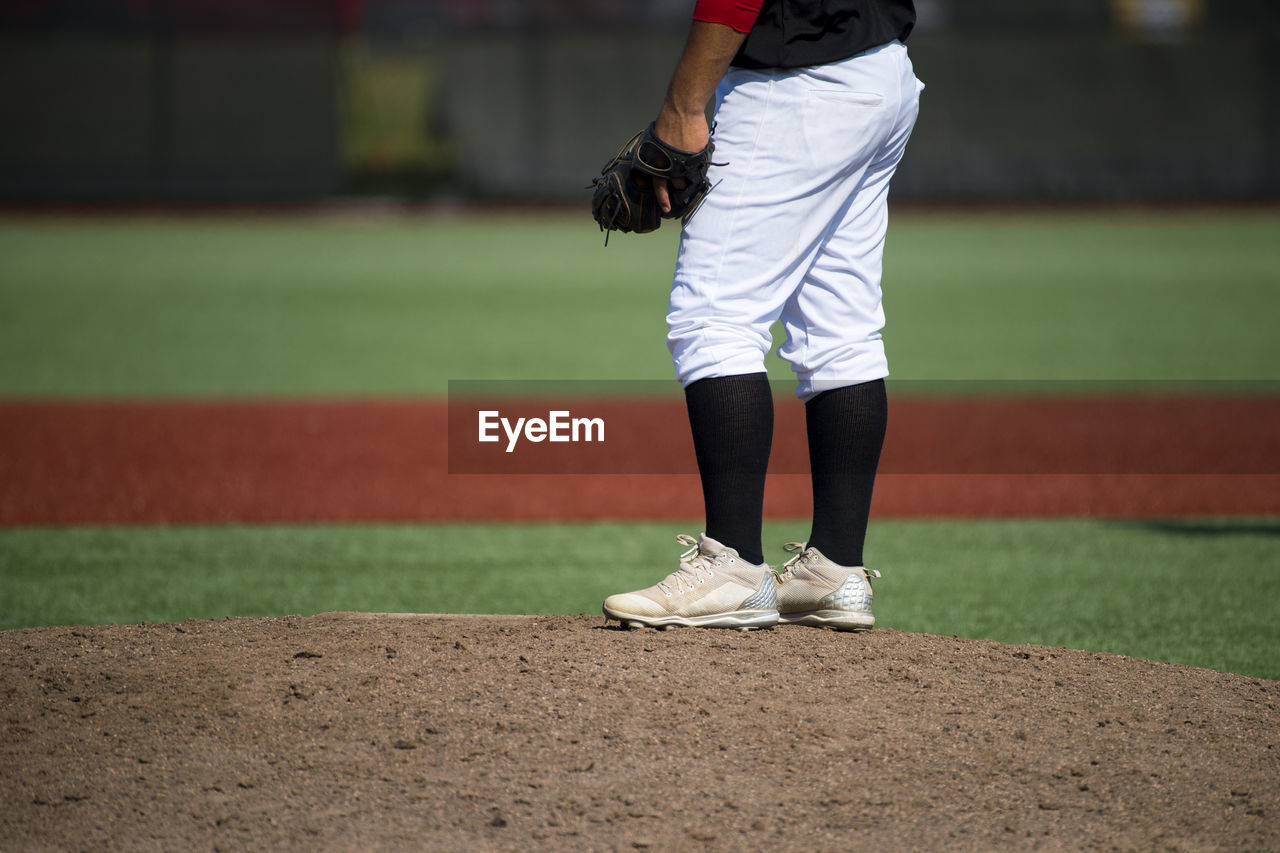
(351, 731)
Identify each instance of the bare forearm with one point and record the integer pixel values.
(706, 57)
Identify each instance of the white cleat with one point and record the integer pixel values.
(713, 588)
(814, 591)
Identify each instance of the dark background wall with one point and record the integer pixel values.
(198, 100)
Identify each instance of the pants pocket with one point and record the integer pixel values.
(841, 128)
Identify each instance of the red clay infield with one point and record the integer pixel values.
(389, 460)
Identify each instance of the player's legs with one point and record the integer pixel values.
(834, 315)
(748, 246)
(833, 322)
(845, 427)
(737, 262)
(773, 205)
(731, 418)
(795, 146)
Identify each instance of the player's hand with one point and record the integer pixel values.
(685, 133)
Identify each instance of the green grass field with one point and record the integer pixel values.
(1204, 593)
(287, 306)
(297, 306)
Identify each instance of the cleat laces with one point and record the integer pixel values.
(695, 567)
(801, 556)
(789, 567)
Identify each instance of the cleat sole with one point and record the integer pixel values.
(836, 620)
(742, 620)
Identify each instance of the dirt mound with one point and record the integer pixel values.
(488, 732)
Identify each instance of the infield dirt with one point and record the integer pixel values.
(184, 462)
(356, 731)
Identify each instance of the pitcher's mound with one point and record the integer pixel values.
(359, 731)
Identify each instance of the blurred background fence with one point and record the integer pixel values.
(295, 100)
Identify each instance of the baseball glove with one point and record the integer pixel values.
(624, 198)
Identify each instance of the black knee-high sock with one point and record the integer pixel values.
(732, 422)
(846, 431)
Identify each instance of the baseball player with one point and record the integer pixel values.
(814, 103)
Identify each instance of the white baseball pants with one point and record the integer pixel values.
(794, 225)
